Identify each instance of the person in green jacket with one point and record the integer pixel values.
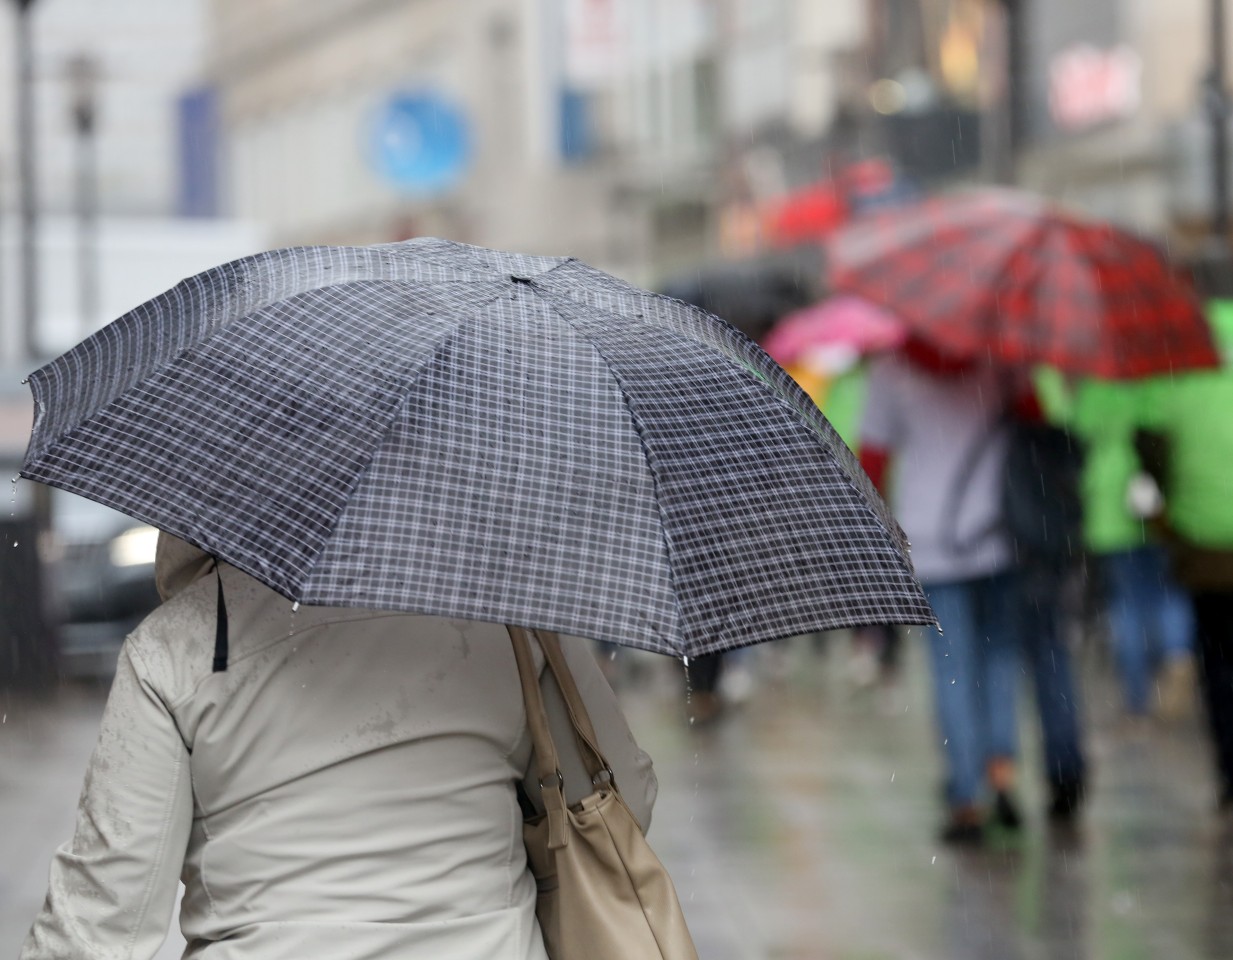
(1189, 449)
(1149, 616)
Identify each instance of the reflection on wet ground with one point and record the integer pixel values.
(801, 826)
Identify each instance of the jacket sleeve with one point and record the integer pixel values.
(631, 766)
(113, 885)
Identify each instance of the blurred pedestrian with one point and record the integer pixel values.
(1043, 515)
(932, 427)
(1149, 616)
(702, 676)
(349, 785)
(1188, 448)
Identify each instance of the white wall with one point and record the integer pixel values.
(138, 259)
(149, 51)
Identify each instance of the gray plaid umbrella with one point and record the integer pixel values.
(439, 428)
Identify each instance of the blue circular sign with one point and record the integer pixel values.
(421, 142)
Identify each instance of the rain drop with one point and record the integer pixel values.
(295, 607)
(689, 693)
(25, 379)
(15, 543)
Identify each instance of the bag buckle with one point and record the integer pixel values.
(560, 784)
(604, 778)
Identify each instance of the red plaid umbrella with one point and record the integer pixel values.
(1008, 276)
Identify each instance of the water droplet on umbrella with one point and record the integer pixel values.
(14, 543)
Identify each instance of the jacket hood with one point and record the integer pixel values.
(177, 564)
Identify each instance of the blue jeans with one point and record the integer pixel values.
(1150, 618)
(1041, 625)
(975, 667)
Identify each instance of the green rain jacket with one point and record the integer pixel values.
(1104, 415)
(1194, 411)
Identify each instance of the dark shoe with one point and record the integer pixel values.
(962, 832)
(1006, 811)
(1066, 799)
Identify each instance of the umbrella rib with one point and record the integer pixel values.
(862, 488)
(548, 299)
(429, 358)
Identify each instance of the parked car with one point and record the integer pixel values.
(101, 581)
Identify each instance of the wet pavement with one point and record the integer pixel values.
(800, 826)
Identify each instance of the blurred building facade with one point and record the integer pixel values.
(649, 136)
(599, 127)
(332, 124)
(140, 59)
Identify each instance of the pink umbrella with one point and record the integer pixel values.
(845, 322)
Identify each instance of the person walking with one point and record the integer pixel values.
(1150, 620)
(1044, 517)
(349, 785)
(931, 427)
(1187, 445)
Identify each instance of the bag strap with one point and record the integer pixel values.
(593, 758)
(547, 761)
(547, 764)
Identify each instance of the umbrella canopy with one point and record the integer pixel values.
(439, 428)
(840, 322)
(1005, 275)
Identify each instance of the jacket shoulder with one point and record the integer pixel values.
(174, 645)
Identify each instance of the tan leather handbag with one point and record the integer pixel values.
(603, 894)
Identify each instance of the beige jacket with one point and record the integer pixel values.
(346, 789)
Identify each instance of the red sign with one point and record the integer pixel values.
(1090, 86)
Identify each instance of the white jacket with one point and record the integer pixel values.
(345, 789)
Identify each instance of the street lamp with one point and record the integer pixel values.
(1217, 101)
(83, 75)
(28, 645)
(27, 184)
(1212, 267)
